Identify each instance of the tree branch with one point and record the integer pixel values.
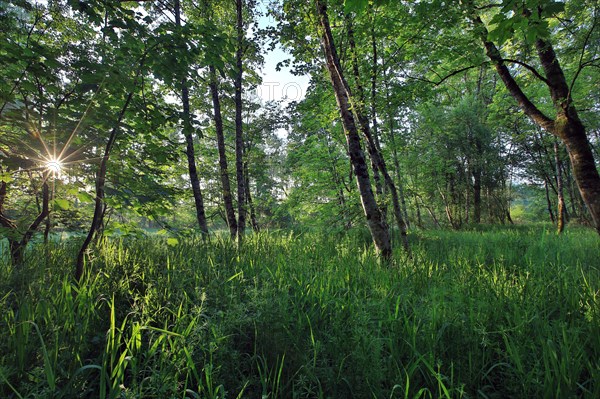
(528, 67)
(581, 63)
(444, 78)
(512, 86)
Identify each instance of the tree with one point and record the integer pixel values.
(371, 139)
(188, 130)
(223, 169)
(377, 226)
(239, 132)
(533, 18)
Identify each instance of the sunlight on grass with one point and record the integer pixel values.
(499, 313)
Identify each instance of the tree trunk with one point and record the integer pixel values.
(17, 246)
(566, 125)
(100, 190)
(548, 202)
(362, 118)
(47, 228)
(573, 195)
(253, 220)
(337, 179)
(395, 157)
(419, 221)
(569, 128)
(560, 212)
(377, 159)
(8, 223)
(239, 132)
(191, 158)
(508, 216)
(188, 131)
(224, 174)
(583, 165)
(19, 249)
(448, 209)
(468, 185)
(377, 227)
(477, 195)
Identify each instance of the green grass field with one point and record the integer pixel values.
(477, 314)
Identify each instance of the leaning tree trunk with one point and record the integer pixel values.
(100, 191)
(569, 128)
(377, 227)
(17, 246)
(239, 131)
(224, 174)
(188, 131)
(362, 118)
(379, 165)
(566, 125)
(20, 248)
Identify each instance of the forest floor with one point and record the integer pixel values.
(496, 313)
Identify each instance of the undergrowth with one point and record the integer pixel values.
(490, 314)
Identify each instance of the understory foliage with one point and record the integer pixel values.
(497, 313)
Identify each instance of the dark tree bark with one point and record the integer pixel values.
(395, 157)
(191, 158)
(224, 173)
(17, 246)
(19, 249)
(377, 227)
(573, 193)
(190, 153)
(561, 210)
(251, 209)
(548, 202)
(477, 195)
(239, 131)
(419, 221)
(566, 125)
(379, 165)
(8, 223)
(100, 191)
(362, 118)
(337, 179)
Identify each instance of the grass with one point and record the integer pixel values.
(507, 312)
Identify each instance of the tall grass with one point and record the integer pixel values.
(502, 313)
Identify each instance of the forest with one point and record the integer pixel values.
(421, 219)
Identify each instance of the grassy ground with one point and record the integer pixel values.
(491, 314)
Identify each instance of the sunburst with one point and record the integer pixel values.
(54, 162)
(54, 165)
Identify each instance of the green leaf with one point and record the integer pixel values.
(6, 177)
(172, 242)
(85, 197)
(355, 6)
(553, 7)
(61, 204)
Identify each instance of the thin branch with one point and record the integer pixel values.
(528, 67)
(581, 63)
(488, 6)
(444, 78)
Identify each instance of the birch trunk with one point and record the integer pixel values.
(377, 227)
(239, 132)
(223, 172)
